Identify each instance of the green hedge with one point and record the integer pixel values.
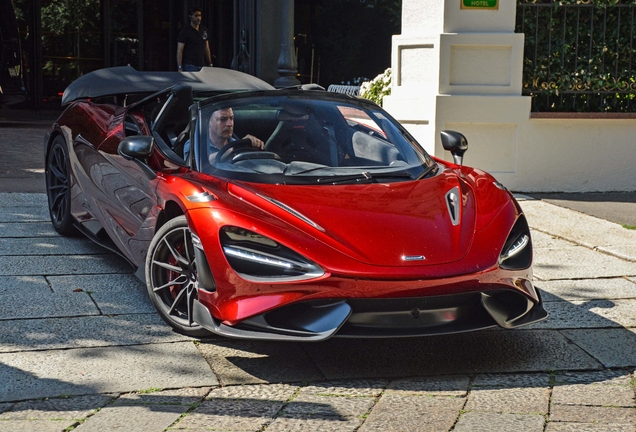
(579, 54)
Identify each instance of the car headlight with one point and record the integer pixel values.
(516, 253)
(260, 259)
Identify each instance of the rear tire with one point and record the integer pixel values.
(58, 187)
(171, 277)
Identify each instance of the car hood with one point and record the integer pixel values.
(383, 224)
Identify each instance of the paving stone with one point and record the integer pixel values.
(608, 377)
(413, 413)
(138, 418)
(587, 427)
(357, 388)
(72, 408)
(476, 352)
(588, 289)
(578, 227)
(23, 200)
(272, 392)
(592, 414)
(492, 422)
(603, 388)
(5, 407)
(113, 293)
(613, 348)
(258, 362)
(593, 395)
(314, 423)
(513, 380)
(25, 214)
(510, 400)
(49, 246)
(63, 265)
(433, 386)
(27, 229)
(40, 374)
(230, 415)
(612, 206)
(578, 262)
(338, 406)
(544, 240)
(622, 312)
(184, 396)
(32, 297)
(627, 252)
(36, 425)
(83, 332)
(588, 314)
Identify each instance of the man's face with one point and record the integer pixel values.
(221, 126)
(195, 18)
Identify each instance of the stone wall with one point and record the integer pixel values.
(458, 68)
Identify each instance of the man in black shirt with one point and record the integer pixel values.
(193, 49)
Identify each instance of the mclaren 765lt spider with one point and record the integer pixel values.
(285, 214)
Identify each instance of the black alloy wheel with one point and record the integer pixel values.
(58, 187)
(171, 276)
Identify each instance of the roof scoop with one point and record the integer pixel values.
(455, 143)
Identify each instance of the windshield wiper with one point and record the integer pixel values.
(363, 176)
(318, 168)
(427, 171)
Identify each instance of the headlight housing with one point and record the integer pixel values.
(516, 253)
(260, 259)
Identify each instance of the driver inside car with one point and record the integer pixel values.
(221, 132)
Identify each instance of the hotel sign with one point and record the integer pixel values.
(480, 4)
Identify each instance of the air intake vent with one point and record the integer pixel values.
(453, 204)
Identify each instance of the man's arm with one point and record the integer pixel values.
(180, 46)
(208, 56)
(255, 141)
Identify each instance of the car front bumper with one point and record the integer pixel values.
(317, 320)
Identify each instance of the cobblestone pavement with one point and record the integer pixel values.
(81, 348)
(22, 150)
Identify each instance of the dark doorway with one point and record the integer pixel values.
(350, 39)
(11, 86)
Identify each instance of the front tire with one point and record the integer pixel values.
(171, 277)
(58, 187)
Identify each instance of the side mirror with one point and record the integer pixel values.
(136, 147)
(455, 143)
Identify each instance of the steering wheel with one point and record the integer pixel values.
(259, 154)
(233, 147)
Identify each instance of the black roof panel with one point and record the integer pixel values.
(126, 80)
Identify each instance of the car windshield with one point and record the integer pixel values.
(305, 137)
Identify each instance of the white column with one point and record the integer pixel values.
(415, 69)
(461, 68)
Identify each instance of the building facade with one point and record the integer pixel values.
(63, 39)
(333, 41)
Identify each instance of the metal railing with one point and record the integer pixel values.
(346, 89)
(579, 54)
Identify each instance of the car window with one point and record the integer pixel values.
(305, 138)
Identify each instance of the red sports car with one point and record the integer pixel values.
(292, 214)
